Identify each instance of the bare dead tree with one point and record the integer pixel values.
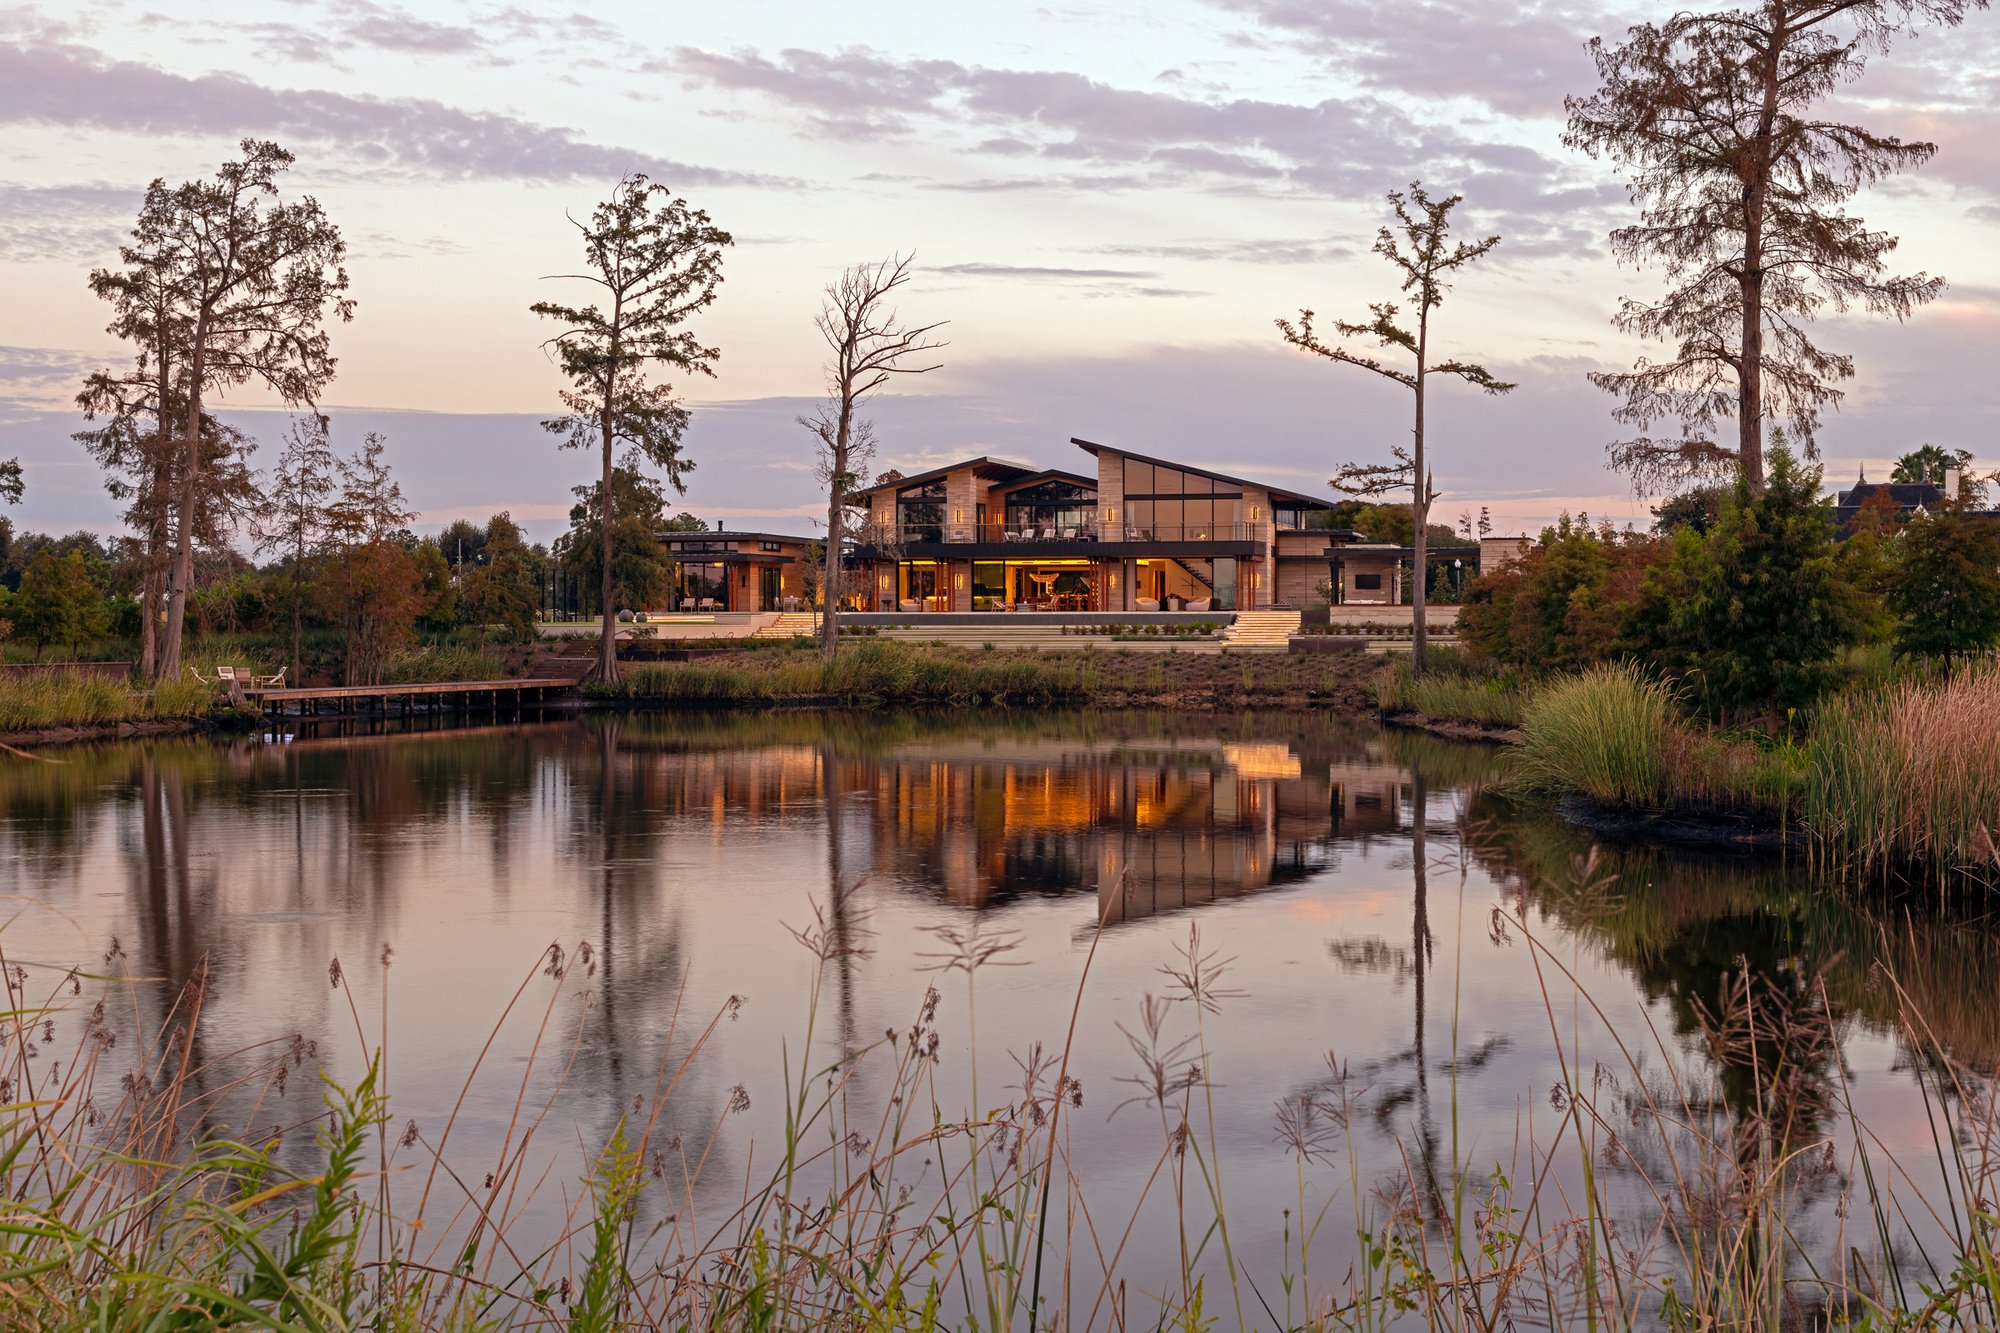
(1426, 265)
(867, 345)
(1715, 120)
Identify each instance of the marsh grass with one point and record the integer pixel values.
(864, 672)
(1907, 776)
(74, 698)
(444, 662)
(1445, 695)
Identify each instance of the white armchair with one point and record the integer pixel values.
(1148, 603)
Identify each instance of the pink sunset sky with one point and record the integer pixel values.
(1110, 203)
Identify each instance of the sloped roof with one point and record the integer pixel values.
(1275, 492)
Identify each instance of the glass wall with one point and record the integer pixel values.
(1060, 506)
(703, 583)
(920, 512)
(989, 585)
(1168, 504)
(920, 586)
(1223, 576)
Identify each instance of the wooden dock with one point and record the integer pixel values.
(430, 696)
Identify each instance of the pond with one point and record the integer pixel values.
(1373, 986)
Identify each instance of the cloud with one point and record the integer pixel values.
(65, 85)
(1086, 134)
(1518, 59)
(1225, 251)
(1032, 272)
(61, 223)
(31, 375)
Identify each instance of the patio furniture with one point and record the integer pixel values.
(1069, 534)
(789, 603)
(708, 604)
(907, 606)
(1048, 534)
(1148, 603)
(687, 603)
(269, 682)
(1201, 605)
(1132, 535)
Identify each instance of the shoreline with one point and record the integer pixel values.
(80, 733)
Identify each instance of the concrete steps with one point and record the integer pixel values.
(790, 624)
(1270, 630)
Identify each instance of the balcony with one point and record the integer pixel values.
(1032, 536)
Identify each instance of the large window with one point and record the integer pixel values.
(1168, 504)
(920, 512)
(1061, 505)
(704, 583)
(989, 585)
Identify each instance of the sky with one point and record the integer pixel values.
(1109, 202)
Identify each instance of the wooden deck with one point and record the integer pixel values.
(485, 695)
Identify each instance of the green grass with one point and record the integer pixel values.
(444, 663)
(1447, 695)
(72, 699)
(880, 670)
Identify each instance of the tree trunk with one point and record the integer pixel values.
(298, 612)
(1750, 282)
(836, 527)
(149, 610)
(607, 647)
(180, 576)
(1420, 509)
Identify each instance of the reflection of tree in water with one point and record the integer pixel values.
(619, 800)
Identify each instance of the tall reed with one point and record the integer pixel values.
(1908, 776)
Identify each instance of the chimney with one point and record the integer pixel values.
(1952, 483)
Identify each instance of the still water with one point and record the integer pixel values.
(1377, 907)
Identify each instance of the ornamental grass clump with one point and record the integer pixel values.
(1604, 733)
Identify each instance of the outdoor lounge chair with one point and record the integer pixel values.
(1069, 534)
(276, 682)
(1148, 603)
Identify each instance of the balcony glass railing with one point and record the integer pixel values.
(1000, 534)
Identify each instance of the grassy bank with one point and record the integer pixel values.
(1663, 1193)
(1901, 778)
(906, 673)
(1449, 693)
(76, 699)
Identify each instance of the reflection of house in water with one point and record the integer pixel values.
(1147, 827)
(1148, 824)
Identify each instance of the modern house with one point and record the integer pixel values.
(1134, 533)
(736, 571)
